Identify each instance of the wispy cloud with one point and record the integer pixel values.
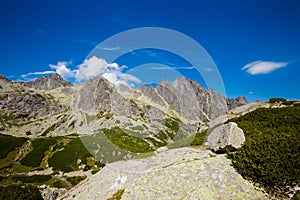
(250, 92)
(170, 68)
(93, 43)
(36, 73)
(110, 48)
(263, 67)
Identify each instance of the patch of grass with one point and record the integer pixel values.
(172, 123)
(20, 192)
(66, 160)
(117, 195)
(54, 182)
(35, 157)
(271, 154)
(9, 143)
(7, 117)
(126, 141)
(199, 138)
(75, 180)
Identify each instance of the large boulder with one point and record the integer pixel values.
(227, 137)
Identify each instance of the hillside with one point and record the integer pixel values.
(55, 136)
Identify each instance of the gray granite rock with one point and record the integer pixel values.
(226, 137)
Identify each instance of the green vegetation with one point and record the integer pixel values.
(172, 123)
(133, 144)
(58, 183)
(32, 179)
(35, 157)
(271, 154)
(9, 143)
(66, 160)
(199, 138)
(117, 195)
(281, 100)
(75, 180)
(20, 192)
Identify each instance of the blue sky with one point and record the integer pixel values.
(254, 44)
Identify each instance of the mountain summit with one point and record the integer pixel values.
(54, 81)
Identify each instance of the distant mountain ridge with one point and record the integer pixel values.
(53, 106)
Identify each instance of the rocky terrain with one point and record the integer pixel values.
(183, 173)
(122, 127)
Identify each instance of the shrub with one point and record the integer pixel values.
(35, 157)
(66, 160)
(33, 179)
(9, 143)
(117, 195)
(20, 192)
(271, 154)
(276, 100)
(75, 180)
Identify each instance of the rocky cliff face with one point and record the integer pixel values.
(53, 106)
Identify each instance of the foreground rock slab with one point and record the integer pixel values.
(183, 173)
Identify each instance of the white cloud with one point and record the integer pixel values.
(90, 68)
(250, 92)
(62, 69)
(111, 71)
(118, 78)
(263, 67)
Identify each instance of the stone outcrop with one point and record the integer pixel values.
(227, 137)
(183, 173)
(54, 81)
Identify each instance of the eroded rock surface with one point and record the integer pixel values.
(183, 173)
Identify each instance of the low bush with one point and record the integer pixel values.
(20, 192)
(271, 154)
(75, 180)
(40, 146)
(32, 179)
(66, 160)
(9, 143)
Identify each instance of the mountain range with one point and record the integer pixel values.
(52, 106)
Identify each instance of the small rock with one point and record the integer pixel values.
(160, 150)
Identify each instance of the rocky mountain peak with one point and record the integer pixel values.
(233, 103)
(48, 83)
(4, 78)
(5, 83)
(242, 100)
